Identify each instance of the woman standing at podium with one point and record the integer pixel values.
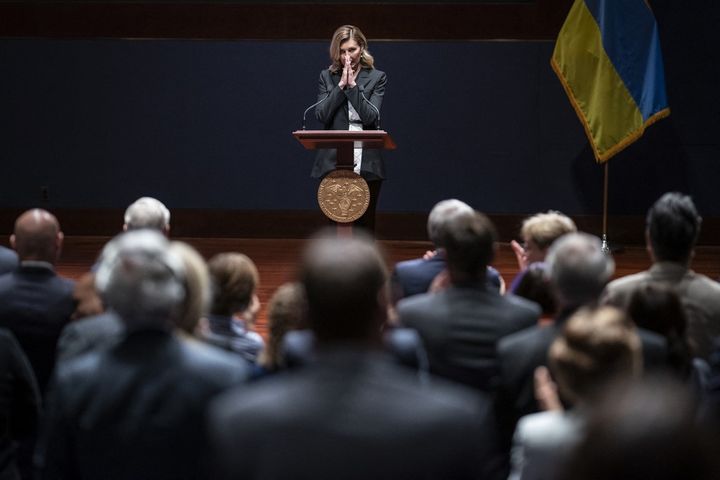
(350, 94)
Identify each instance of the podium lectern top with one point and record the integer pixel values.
(314, 139)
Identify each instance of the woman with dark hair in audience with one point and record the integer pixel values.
(234, 278)
(535, 286)
(286, 311)
(658, 308)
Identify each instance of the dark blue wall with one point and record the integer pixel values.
(206, 124)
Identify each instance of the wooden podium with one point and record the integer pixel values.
(345, 142)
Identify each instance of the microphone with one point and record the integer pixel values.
(312, 106)
(374, 108)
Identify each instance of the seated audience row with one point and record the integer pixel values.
(156, 348)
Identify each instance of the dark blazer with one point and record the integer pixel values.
(333, 114)
(8, 260)
(35, 304)
(351, 415)
(460, 328)
(19, 403)
(136, 410)
(412, 277)
(89, 334)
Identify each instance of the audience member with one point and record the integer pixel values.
(197, 287)
(8, 260)
(535, 286)
(595, 348)
(351, 414)
(19, 408)
(137, 409)
(92, 327)
(656, 307)
(672, 228)
(413, 277)
(286, 311)
(538, 232)
(460, 326)
(646, 430)
(147, 212)
(234, 305)
(578, 270)
(36, 303)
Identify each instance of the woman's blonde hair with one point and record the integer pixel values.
(343, 34)
(597, 346)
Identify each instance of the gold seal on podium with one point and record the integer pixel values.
(343, 196)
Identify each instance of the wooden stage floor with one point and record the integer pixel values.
(276, 259)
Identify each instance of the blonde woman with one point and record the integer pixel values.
(350, 93)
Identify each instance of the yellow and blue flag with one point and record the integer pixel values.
(608, 58)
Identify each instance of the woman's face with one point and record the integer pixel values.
(350, 48)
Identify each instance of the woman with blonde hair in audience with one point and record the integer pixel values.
(197, 287)
(597, 347)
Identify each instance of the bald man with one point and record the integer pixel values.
(35, 303)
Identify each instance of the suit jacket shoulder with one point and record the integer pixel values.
(356, 412)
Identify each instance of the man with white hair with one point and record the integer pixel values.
(94, 327)
(136, 410)
(413, 277)
(147, 212)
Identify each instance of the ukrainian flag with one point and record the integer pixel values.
(608, 58)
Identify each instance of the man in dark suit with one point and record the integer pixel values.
(137, 409)
(35, 303)
(351, 413)
(460, 326)
(19, 408)
(8, 260)
(413, 277)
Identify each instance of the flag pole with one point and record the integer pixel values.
(605, 247)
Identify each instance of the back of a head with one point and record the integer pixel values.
(646, 429)
(439, 214)
(197, 286)
(37, 236)
(544, 228)
(344, 280)
(657, 307)
(141, 279)
(147, 212)
(578, 269)
(673, 226)
(234, 278)
(286, 311)
(535, 286)
(469, 240)
(596, 347)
